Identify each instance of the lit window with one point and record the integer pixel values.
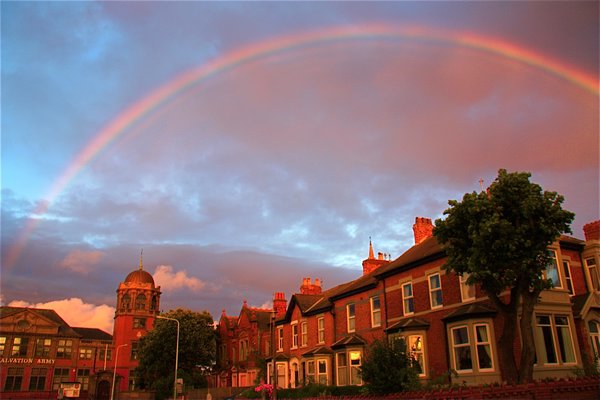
(2, 345)
(415, 348)
(467, 292)
(351, 313)
(554, 344)
(85, 353)
(375, 312)
(342, 367)
(593, 270)
(355, 363)
(567, 272)
(321, 329)
(435, 291)
(19, 347)
(407, 298)
(304, 331)
(43, 347)
(64, 348)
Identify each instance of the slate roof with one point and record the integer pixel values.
(407, 324)
(351, 340)
(470, 311)
(93, 334)
(318, 351)
(426, 251)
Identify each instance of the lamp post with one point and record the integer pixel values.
(176, 354)
(112, 392)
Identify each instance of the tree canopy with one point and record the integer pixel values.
(499, 238)
(156, 351)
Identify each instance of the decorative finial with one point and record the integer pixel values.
(371, 253)
(481, 183)
(141, 260)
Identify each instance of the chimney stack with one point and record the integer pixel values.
(592, 231)
(371, 264)
(309, 288)
(279, 304)
(423, 229)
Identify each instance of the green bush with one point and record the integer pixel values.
(389, 368)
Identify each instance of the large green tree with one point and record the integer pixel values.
(156, 351)
(500, 238)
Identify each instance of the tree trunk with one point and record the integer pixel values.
(528, 345)
(506, 354)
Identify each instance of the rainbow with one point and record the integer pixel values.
(236, 58)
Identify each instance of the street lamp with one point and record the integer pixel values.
(112, 392)
(176, 354)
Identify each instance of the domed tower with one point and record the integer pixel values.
(138, 303)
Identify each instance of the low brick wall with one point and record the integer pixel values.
(571, 389)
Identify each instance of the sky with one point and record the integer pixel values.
(245, 146)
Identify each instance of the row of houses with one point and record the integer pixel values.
(321, 335)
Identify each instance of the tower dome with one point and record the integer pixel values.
(139, 276)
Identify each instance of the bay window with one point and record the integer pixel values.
(553, 340)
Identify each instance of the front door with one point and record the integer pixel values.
(103, 390)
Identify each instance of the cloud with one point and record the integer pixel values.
(169, 281)
(81, 261)
(77, 313)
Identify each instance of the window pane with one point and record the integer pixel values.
(463, 358)
(484, 356)
(461, 336)
(552, 270)
(565, 344)
(482, 334)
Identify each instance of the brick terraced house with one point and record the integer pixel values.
(322, 335)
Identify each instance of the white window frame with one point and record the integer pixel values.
(355, 366)
(553, 254)
(593, 272)
(321, 330)
(318, 374)
(539, 339)
(568, 277)
(435, 289)
(342, 370)
(408, 299)
(454, 345)
(594, 337)
(304, 333)
(487, 343)
(294, 330)
(467, 292)
(351, 318)
(280, 339)
(375, 312)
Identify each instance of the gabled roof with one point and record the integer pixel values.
(262, 316)
(93, 334)
(50, 315)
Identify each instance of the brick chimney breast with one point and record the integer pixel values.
(279, 304)
(592, 230)
(423, 229)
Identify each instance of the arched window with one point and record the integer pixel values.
(125, 302)
(140, 302)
